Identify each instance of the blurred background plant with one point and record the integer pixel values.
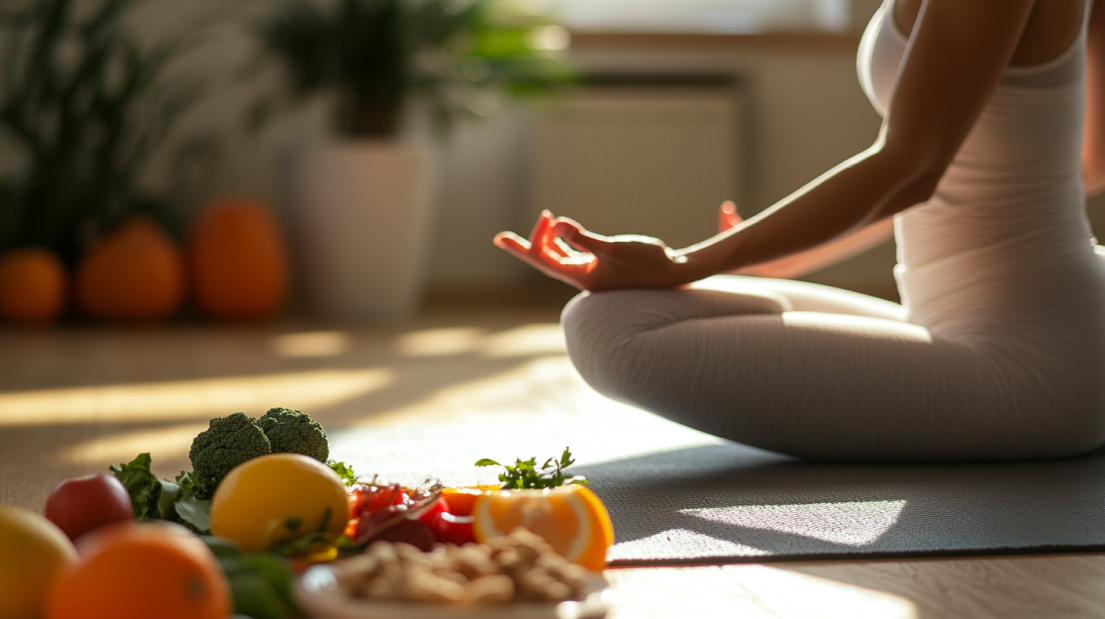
(86, 104)
(376, 58)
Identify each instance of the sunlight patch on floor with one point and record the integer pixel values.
(504, 393)
(681, 543)
(855, 523)
(439, 342)
(162, 443)
(789, 593)
(190, 399)
(524, 341)
(311, 344)
(527, 340)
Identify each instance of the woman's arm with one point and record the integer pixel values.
(953, 61)
(1093, 133)
(810, 260)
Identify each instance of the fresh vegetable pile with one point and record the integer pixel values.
(263, 501)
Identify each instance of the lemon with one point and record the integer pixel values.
(572, 520)
(279, 498)
(33, 552)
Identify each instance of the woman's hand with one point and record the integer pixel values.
(591, 261)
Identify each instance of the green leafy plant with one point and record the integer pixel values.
(161, 499)
(86, 105)
(526, 473)
(373, 57)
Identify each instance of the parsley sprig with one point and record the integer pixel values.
(526, 474)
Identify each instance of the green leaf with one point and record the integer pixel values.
(344, 471)
(526, 474)
(195, 513)
(257, 598)
(142, 485)
(261, 584)
(167, 499)
(221, 546)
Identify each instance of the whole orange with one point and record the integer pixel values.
(142, 570)
(133, 273)
(276, 498)
(237, 260)
(32, 285)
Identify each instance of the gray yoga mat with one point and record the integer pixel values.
(678, 496)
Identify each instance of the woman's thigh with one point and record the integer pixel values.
(744, 366)
(805, 296)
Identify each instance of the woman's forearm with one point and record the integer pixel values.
(862, 190)
(824, 255)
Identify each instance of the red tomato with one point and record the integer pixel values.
(413, 532)
(439, 506)
(453, 529)
(80, 505)
(369, 499)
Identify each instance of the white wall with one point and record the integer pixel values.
(805, 114)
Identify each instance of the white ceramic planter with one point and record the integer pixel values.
(360, 221)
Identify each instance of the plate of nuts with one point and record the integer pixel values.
(516, 576)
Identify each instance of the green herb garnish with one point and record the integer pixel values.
(344, 471)
(526, 473)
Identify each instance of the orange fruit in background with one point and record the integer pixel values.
(133, 273)
(33, 553)
(278, 497)
(572, 519)
(142, 570)
(237, 260)
(32, 285)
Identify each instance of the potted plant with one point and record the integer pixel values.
(86, 106)
(361, 203)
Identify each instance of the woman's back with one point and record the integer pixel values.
(980, 259)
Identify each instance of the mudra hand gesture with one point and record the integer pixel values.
(561, 248)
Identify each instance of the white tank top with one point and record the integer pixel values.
(1003, 250)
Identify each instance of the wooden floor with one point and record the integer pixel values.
(75, 399)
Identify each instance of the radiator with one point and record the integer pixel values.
(655, 161)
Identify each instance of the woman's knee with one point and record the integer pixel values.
(616, 339)
(598, 332)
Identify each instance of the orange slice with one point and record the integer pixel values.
(462, 500)
(572, 519)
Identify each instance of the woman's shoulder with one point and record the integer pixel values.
(1051, 29)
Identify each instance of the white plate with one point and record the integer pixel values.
(317, 593)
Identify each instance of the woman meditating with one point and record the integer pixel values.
(998, 348)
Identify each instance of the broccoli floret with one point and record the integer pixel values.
(228, 442)
(290, 431)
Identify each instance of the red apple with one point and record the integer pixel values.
(82, 504)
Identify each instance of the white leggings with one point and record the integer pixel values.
(824, 373)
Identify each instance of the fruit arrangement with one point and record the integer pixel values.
(264, 503)
(233, 266)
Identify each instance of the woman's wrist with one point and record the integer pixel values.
(700, 261)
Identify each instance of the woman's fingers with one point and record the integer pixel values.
(577, 236)
(542, 231)
(512, 243)
(728, 216)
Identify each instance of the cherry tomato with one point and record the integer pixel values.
(439, 506)
(369, 499)
(453, 529)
